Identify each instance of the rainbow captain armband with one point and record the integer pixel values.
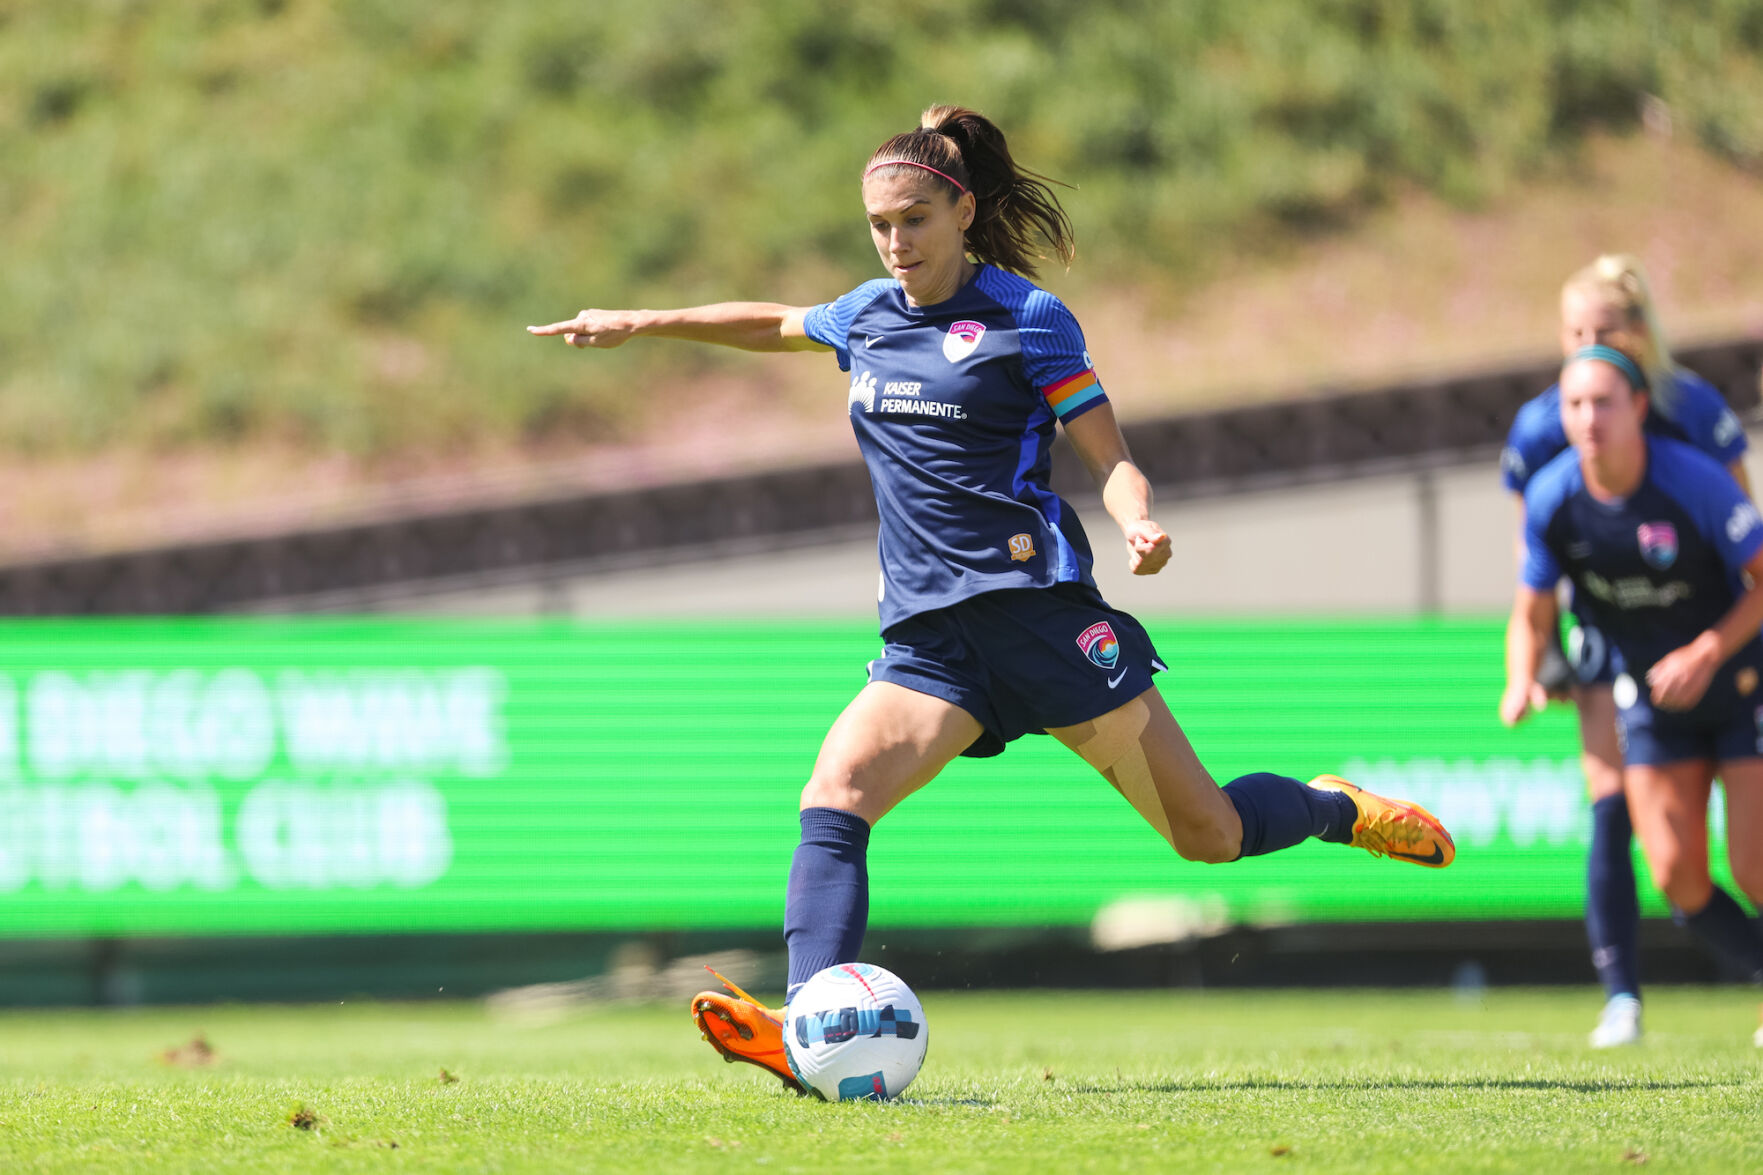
(1073, 394)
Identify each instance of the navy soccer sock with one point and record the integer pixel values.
(1612, 912)
(827, 908)
(1724, 925)
(1279, 812)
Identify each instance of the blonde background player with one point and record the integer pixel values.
(1610, 302)
(1665, 553)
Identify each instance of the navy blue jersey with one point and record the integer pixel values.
(1655, 570)
(954, 408)
(1693, 411)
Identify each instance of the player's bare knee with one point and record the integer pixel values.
(1682, 878)
(1667, 872)
(1208, 846)
(1210, 837)
(832, 789)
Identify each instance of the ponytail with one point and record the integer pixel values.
(1619, 281)
(1013, 206)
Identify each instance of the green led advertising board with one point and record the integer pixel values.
(322, 776)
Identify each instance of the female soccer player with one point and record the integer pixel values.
(1655, 536)
(993, 627)
(1609, 302)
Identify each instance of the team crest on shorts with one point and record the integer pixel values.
(1022, 548)
(961, 340)
(1098, 643)
(1658, 544)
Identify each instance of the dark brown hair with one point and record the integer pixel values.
(1014, 206)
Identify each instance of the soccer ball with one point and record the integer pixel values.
(855, 1031)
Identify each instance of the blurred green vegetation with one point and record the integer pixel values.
(326, 221)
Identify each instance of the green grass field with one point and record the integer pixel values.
(1323, 1081)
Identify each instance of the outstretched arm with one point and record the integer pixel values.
(1534, 615)
(751, 326)
(1553, 671)
(1095, 436)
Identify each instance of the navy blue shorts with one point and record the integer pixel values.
(1022, 660)
(1721, 729)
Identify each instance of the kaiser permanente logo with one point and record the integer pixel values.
(900, 398)
(110, 778)
(863, 391)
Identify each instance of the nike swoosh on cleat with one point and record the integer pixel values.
(1436, 858)
(1114, 681)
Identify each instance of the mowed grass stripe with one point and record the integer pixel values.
(1323, 1081)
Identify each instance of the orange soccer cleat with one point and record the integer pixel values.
(743, 1029)
(1394, 828)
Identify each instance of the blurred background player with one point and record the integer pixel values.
(1610, 302)
(1657, 539)
(994, 628)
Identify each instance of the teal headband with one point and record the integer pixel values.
(1628, 367)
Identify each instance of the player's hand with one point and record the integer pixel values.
(1678, 680)
(1520, 698)
(1149, 547)
(1554, 674)
(592, 328)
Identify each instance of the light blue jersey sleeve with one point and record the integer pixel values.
(1701, 412)
(830, 322)
(1544, 496)
(1535, 440)
(1709, 495)
(1055, 360)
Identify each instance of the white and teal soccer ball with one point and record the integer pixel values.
(855, 1031)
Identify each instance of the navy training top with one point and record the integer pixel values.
(1695, 412)
(1654, 570)
(954, 408)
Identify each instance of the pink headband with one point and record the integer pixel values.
(959, 187)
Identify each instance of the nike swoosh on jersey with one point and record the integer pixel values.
(1114, 681)
(869, 341)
